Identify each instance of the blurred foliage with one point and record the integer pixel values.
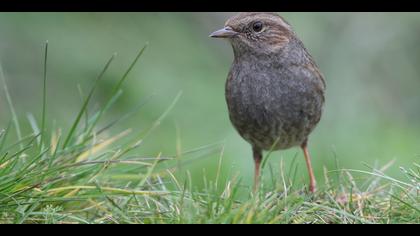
(370, 61)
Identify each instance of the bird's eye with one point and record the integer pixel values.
(257, 26)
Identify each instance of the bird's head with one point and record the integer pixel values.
(256, 32)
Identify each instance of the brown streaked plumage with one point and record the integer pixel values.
(274, 91)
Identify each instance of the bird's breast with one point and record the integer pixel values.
(267, 102)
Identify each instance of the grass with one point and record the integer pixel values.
(90, 175)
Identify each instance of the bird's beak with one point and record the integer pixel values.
(226, 32)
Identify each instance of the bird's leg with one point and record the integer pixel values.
(257, 154)
(312, 183)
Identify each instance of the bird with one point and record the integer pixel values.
(275, 92)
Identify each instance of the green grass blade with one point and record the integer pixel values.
(44, 98)
(10, 104)
(116, 89)
(34, 126)
(85, 104)
(4, 135)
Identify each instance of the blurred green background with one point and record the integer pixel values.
(371, 62)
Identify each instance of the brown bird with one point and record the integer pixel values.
(274, 90)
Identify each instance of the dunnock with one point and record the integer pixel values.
(274, 90)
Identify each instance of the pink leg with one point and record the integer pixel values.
(257, 160)
(312, 183)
